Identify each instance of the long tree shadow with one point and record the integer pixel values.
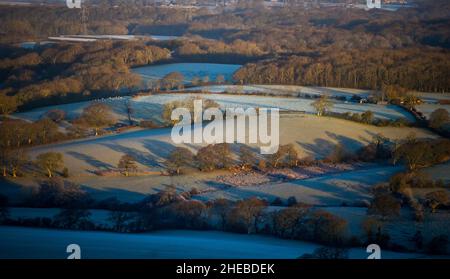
(142, 158)
(90, 160)
(319, 149)
(159, 149)
(349, 143)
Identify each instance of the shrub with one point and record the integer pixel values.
(247, 213)
(418, 154)
(128, 164)
(367, 117)
(221, 207)
(286, 222)
(179, 159)
(385, 205)
(247, 157)
(56, 115)
(277, 202)
(401, 181)
(189, 214)
(120, 220)
(285, 156)
(58, 193)
(327, 228)
(214, 156)
(262, 164)
(65, 172)
(339, 154)
(73, 219)
(194, 191)
(371, 226)
(436, 199)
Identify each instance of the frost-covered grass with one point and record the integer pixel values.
(150, 107)
(31, 243)
(189, 70)
(334, 189)
(283, 103)
(293, 90)
(427, 109)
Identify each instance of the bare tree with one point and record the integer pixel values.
(50, 162)
(250, 211)
(179, 158)
(128, 164)
(322, 105)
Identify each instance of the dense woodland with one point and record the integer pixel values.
(294, 45)
(80, 69)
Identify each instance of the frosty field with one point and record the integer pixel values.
(188, 70)
(292, 90)
(150, 107)
(29, 243)
(427, 109)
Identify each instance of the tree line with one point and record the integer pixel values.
(415, 69)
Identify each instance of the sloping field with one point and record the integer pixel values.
(313, 136)
(349, 187)
(188, 70)
(150, 107)
(291, 104)
(29, 243)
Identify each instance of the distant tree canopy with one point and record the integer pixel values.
(322, 46)
(72, 69)
(422, 70)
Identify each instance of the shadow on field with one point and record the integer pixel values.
(16, 192)
(349, 143)
(90, 160)
(321, 148)
(159, 149)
